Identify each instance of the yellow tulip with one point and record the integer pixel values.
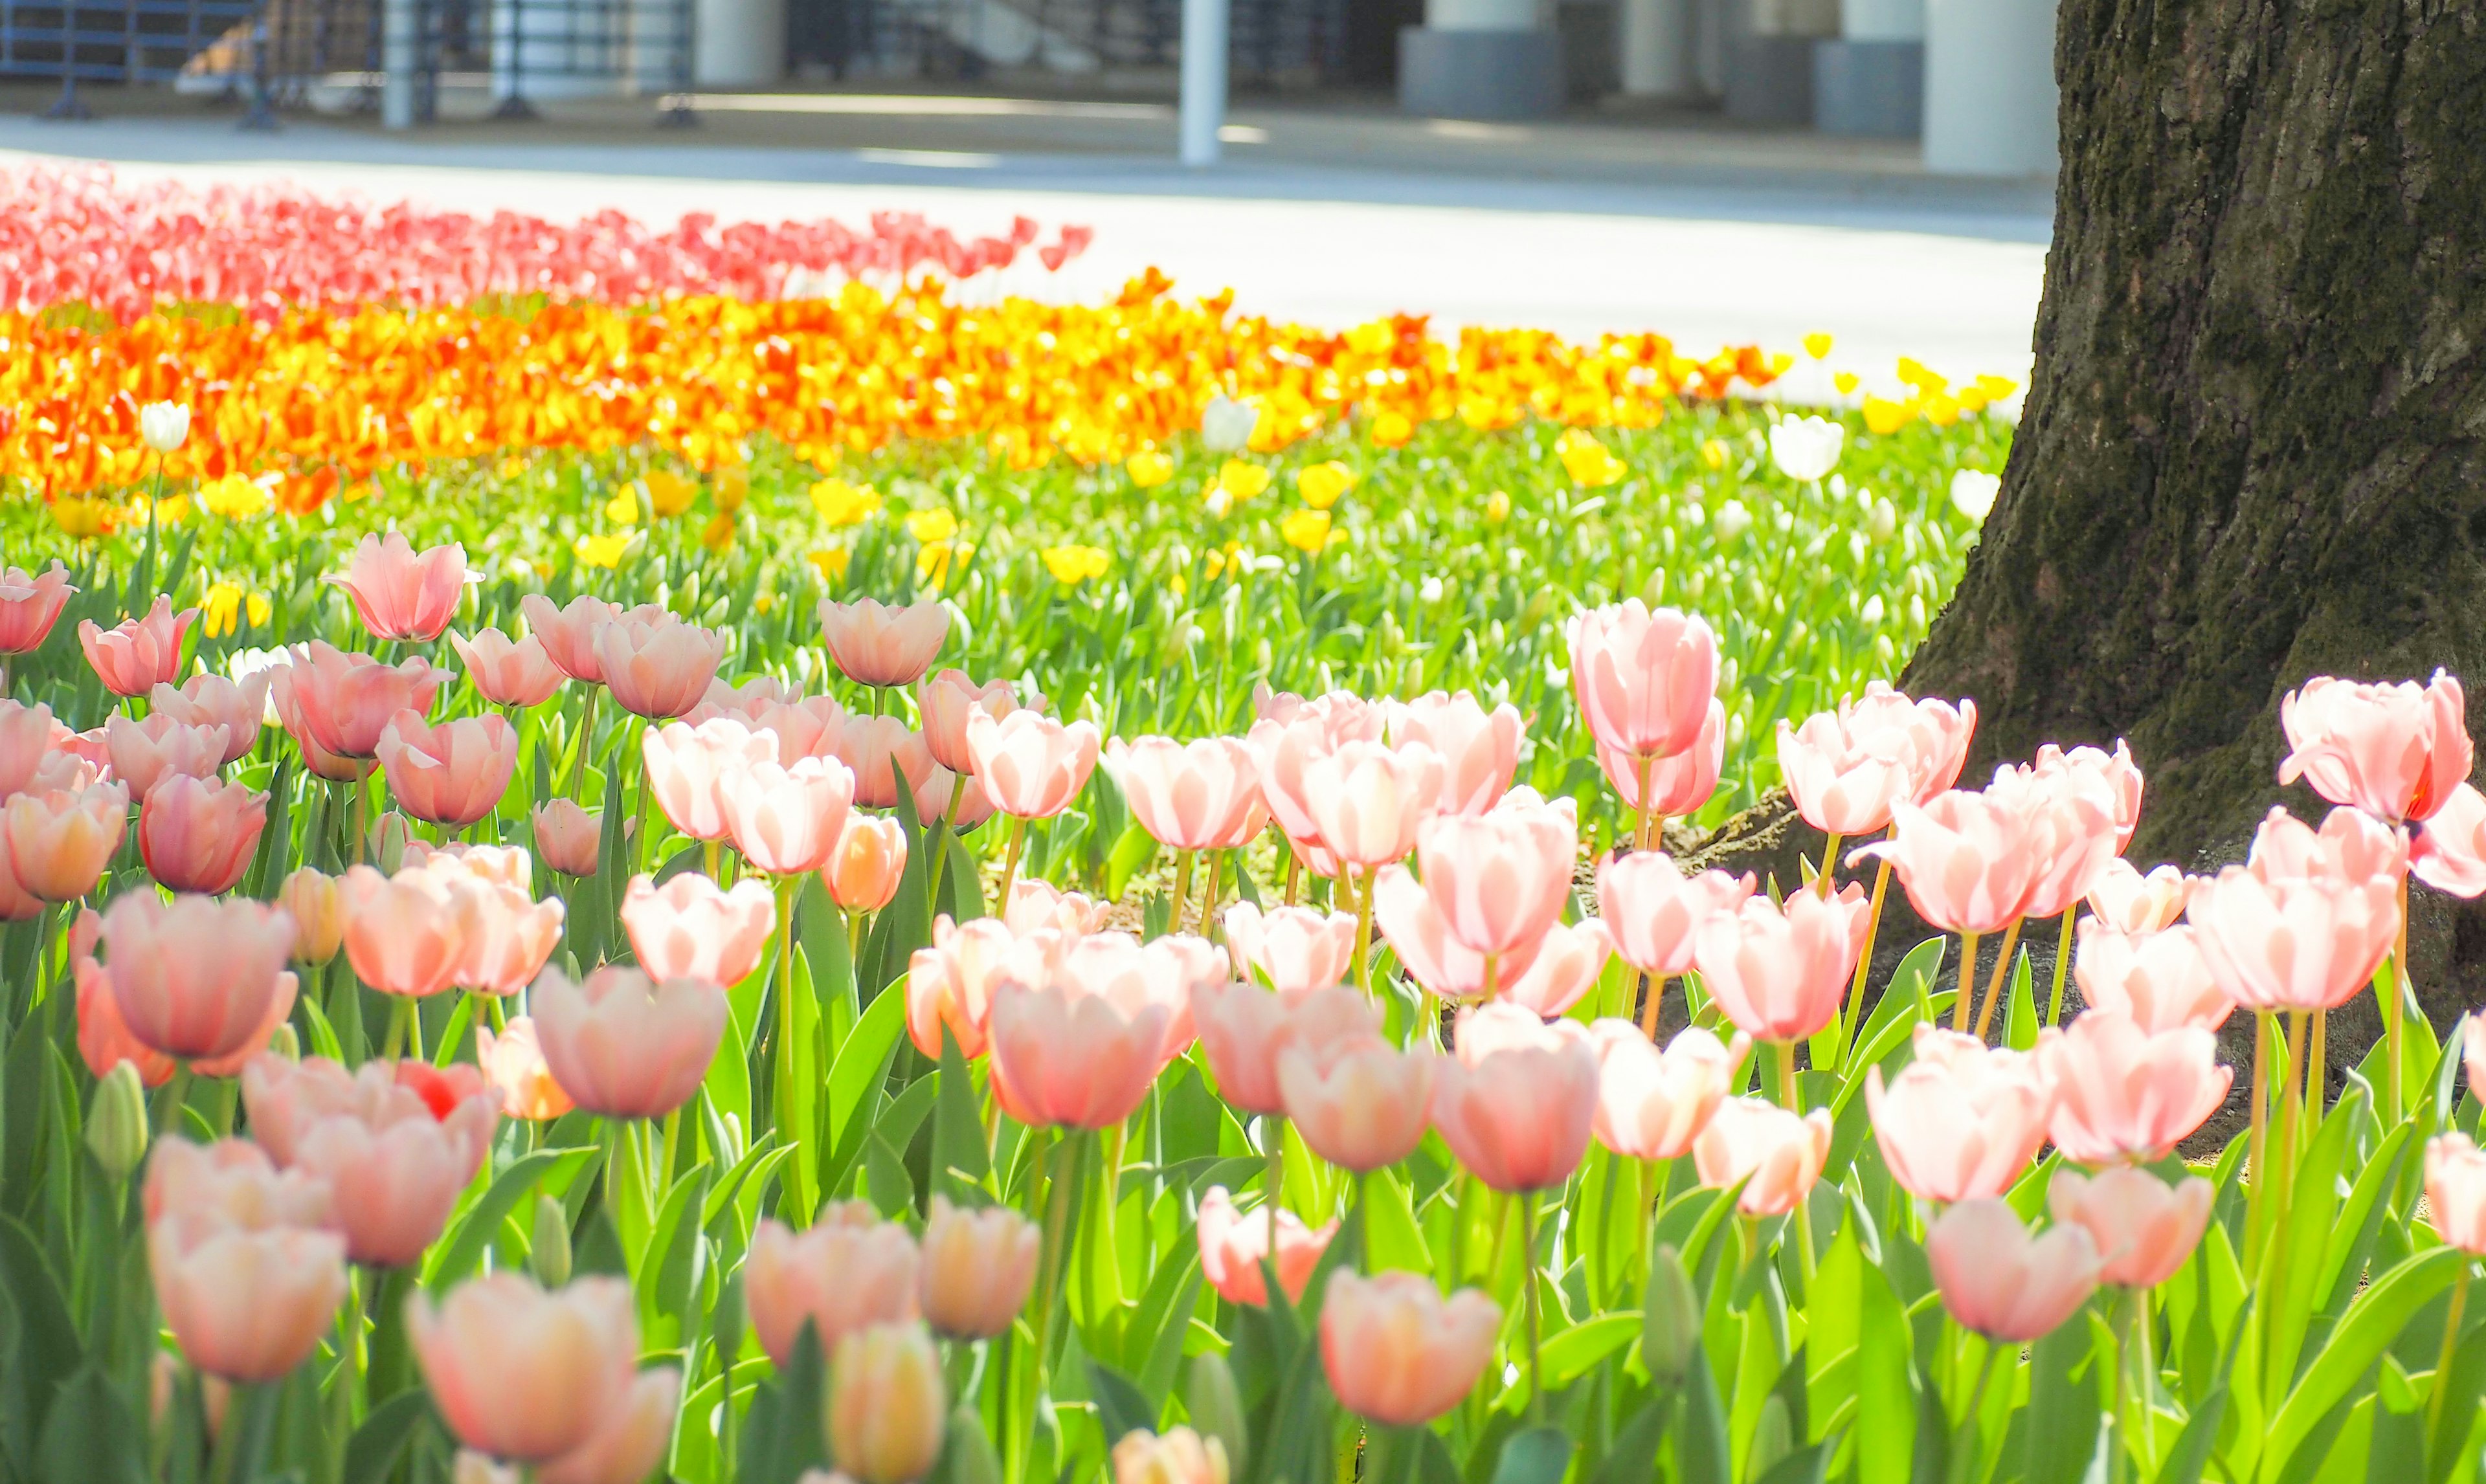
(219, 609)
(1883, 416)
(1390, 429)
(669, 494)
(1845, 381)
(732, 488)
(831, 562)
(932, 527)
(1714, 453)
(622, 509)
(842, 504)
(1591, 464)
(259, 609)
(1242, 479)
(1305, 530)
(1497, 506)
(1323, 483)
(1071, 566)
(1149, 469)
(719, 534)
(82, 518)
(932, 562)
(234, 498)
(1817, 344)
(603, 551)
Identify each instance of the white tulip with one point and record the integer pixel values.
(1973, 490)
(165, 426)
(1730, 522)
(1226, 426)
(1804, 448)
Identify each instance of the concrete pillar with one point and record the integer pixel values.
(1990, 98)
(742, 43)
(1204, 38)
(1658, 46)
(398, 49)
(1871, 80)
(1480, 59)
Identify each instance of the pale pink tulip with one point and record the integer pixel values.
(2124, 1094)
(1517, 1115)
(207, 699)
(1071, 1059)
(2124, 899)
(934, 791)
(1244, 1029)
(1413, 925)
(17, 904)
(849, 1270)
(2144, 1228)
(402, 594)
(508, 865)
(2393, 751)
(1652, 1104)
(233, 1183)
(869, 861)
(25, 741)
(1655, 913)
(1202, 795)
(396, 1178)
(978, 1269)
(944, 701)
(59, 842)
(199, 837)
(1368, 802)
(568, 838)
(2110, 777)
(2297, 944)
(1397, 1352)
(1232, 1246)
(568, 634)
(506, 672)
(1341, 716)
(1284, 750)
(337, 703)
(1777, 1154)
(877, 645)
(1499, 879)
(514, 1063)
(888, 1405)
(1293, 948)
(692, 928)
(951, 984)
(287, 1099)
(1030, 765)
(2455, 1191)
(30, 605)
(786, 822)
(2068, 825)
(1162, 972)
(1961, 1120)
(524, 1374)
(1846, 769)
(687, 766)
(2350, 845)
(1644, 678)
(145, 752)
(632, 1439)
(2448, 852)
(402, 931)
(884, 755)
(1678, 784)
(1479, 749)
(1035, 905)
(451, 773)
(504, 936)
(244, 1304)
(1562, 967)
(800, 725)
(1967, 860)
(1780, 972)
(625, 1046)
(76, 758)
(1999, 1280)
(656, 664)
(138, 654)
(195, 978)
(1358, 1101)
(2160, 979)
(103, 1037)
(1180, 1457)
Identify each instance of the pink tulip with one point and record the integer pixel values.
(1284, 750)
(933, 794)
(339, 704)
(1339, 716)
(1202, 795)
(1413, 925)
(1035, 905)
(238, 706)
(514, 1063)
(2113, 778)
(2068, 828)
(1397, 1352)
(1652, 1104)
(1846, 769)
(568, 634)
(143, 751)
(396, 1178)
(2351, 845)
(1479, 749)
(884, 755)
(30, 605)
(884, 645)
(139, 655)
(17, 904)
(504, 936)
(2005, 1283)
(945, 703)
(59, 842)
(521, 1373)
(199, 837)
(691, 928)
(1776, 1154)
(403, 594)
(868, 861)
(195, 978)
(624, 1046)
(951, 984)
(1233, 1244)
(2455, 1189)
(2125, 1094)
(1517, 1114)
(508, 673)
(1564, 966)
(1180, 1457)
(849, 1270)
(1779, 972)
(1499, 879)
(2127, 901)
(1162, 972)
(1070, 1059)
(687, 766)
(1678, 784)
(1368, 802)
(2160, 979)
(244, 1304)
(631, 1440)
(2145, 1228)
(1030, 765)
(287, 1099)
(2450, 850)
(451, 773)
(402, 932)
(1967, 860)
(1655, 913)
(568, 839)
(1644, 678)
(656, 664)
(25, 741)
(786, 822)
(801, 727)
(2298, 944)
(978, 1267)
(888, 1403)
(1961, 1120)
(508, 865)
(1359, 1102)
(233, 1183)
(2393, 751)
(103, 1037)
(1244, 1029)
(1293, 948)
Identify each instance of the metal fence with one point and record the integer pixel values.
(1274, 43)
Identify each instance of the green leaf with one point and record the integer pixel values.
(458, 1256)
(374, 1450)
(1701, 1445)
(1131, 853)
(863, 1061)
(960, 1161)
(1120, 1406)
(1633, 1457)
(1576, 1350)
(90, 1437)
(1886, 1401)
(1539, 1456)
(2364, 1333)
(2192, 1451)
(2020, 1029)
(2060, 1429)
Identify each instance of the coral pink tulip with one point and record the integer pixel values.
(17, 904)
(1071, 1059)
(2125, 1094)
(786, 822)
(1244, 1027)
(30, 605)
(1644, 678)
(194, 978)
(1359, 1102)
(1180, 1457)
(1035, 905)
(2110, 777)
(888, 1406)
(2455, 1189)
(2450, 851)
(1655, 913)
(978, 1269)
(232, 1182)
(849, 1271)
(396, 1178)
(1293, 948)
(2393, 751)
(1777, 1154)
(503, 936)
(1499, 879)
(885, 755)
(1479, 749)
(139, 655)
(1202, 795)
(2145, 1228)
(568, 634)
(631, 1440)
(656, 664)
(514, 1063)
(2296, 943)
(568, 838)
(2124, 899)
(869, 861)
(1652, 1104)
(244, 1304)
(1961, 1120)
(451, 773)
(521, 1373)
(1368, 802)
(144, 752)
(1420, 935)
(1162, 972)
(691, 928)
(402, 594)
(59, 842)
(506, 672)
(687, 766)
(1562, 967)
(402, 931)
(199, 837)
(624, 1046)
(1397, 1352)
(945, 703)
(1232, 1246)
(2160, 979)
(1517, 1114)
(2067, 830)
(884, 645)
(238, 706)
(1779, 972)
(951, 984)
(103, 1037)
(25, 741)
(2004, 1282)
(340, 703)
(1030, 765)
(1966, 858)
(1678, 784)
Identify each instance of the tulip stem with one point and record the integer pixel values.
(1009, 862)
(1056, 1217)
(395, 1046)
(1854, 1010)
(585, 736)
(1362, 895)
(1535, 1314)
(1963, 1458)
(1791, 1092)
(1362, 1223)
(1274, 1134)
(646, 792)
(1640, 762)
(936, 840)
(1652, 992)
(2257, 1149)
(2062, 966)
(168, 1119)
(1208, 897)
(2443, 1359)
(784, 1037)
(1967, 982)
(1181, 889)
(1294, 876)
(1822, 881)
(2391, 1011)
(1994, 987)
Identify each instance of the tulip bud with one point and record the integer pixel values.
(390, 834)
(116, 1124)
(887, 1404)
(1669, 1318)
(1216, 1407)
(970, 1455)
(312, 899)
(548, 1251)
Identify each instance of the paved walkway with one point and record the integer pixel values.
(1706, 233)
